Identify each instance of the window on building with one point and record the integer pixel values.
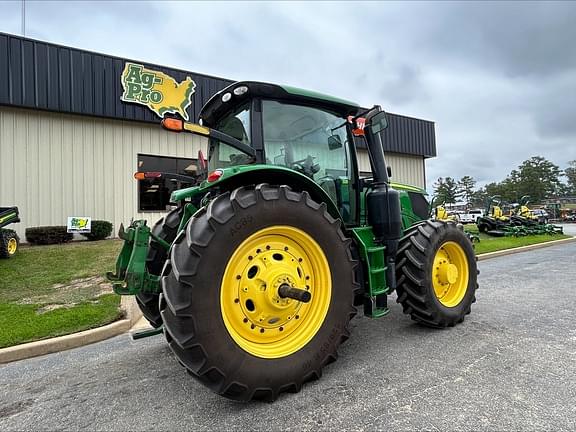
(154, 194)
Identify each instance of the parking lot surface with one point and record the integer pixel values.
(511, 365)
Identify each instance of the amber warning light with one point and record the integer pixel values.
(173, 124)
(141, 175)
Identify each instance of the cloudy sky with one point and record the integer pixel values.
(497, 78)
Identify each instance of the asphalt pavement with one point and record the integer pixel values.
(510, 366)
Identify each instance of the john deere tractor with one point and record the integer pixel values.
(255, 276)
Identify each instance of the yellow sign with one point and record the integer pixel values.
(156, 90)
(79, 224)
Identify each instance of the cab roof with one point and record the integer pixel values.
(215, 108)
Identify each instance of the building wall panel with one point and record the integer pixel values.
(406, 169)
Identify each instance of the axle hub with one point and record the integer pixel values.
(286, 291)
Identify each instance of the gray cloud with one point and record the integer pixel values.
(519, 38)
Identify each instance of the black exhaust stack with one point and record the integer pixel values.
(383, 202)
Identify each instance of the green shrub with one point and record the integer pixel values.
(100, 230)
(46, 235)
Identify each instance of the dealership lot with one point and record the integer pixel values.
(511, 365)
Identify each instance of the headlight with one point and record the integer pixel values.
(226, 97)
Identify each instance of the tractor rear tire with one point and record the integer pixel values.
(9, 243)
(224, 315)
(436, 273)
(166, 228)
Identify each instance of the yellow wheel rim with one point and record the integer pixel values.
(450, 274)
(259, 320)
(12, 246)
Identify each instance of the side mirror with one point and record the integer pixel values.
(334, 142)
(379, 122)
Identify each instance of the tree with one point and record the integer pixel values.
(478, 198)
(570, 174)
(537, 177)
(446, 190)
(506, 190)
(466, 187)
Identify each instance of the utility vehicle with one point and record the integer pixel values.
(9, 240)
(255, 276)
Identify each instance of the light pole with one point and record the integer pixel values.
(23, 17)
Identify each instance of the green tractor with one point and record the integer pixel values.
(255, 276)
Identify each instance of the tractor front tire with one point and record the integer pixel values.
(9, 243)
(224, 315)
(166, 229)
(436, 274)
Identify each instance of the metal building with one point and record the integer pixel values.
(69, 144)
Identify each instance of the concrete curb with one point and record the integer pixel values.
(62, 343)
(489, 255)
(75, 340)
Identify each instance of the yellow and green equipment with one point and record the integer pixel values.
(520, 222)
(255, 276)
(9, 240)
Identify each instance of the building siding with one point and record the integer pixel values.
(407, 169)
(55, 165)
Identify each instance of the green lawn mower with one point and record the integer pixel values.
(254, 277)
(495, 222)
(9, 240)
(519, 223)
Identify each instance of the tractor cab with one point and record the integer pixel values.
(303, 131)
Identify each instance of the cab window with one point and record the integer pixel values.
(310, 141)
(237, 125)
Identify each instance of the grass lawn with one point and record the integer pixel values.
(493, 244)
(48, 291)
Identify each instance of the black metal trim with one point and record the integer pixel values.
(227, 139)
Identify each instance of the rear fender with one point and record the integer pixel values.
(246, 175)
